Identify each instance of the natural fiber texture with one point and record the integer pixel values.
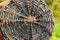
(27, 20)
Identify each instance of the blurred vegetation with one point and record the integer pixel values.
(1, 1)
(54, 6)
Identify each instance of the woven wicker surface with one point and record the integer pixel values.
(27, 20)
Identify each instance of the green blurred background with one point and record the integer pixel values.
(54, 6)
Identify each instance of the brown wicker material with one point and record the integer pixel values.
(26, 20)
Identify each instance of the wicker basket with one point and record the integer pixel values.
(26, 20)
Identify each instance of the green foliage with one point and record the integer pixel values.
(1, 1)
(54, 6)
(49, 2)
(56, 34)
(57, 30)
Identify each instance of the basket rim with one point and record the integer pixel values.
(6, 2)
